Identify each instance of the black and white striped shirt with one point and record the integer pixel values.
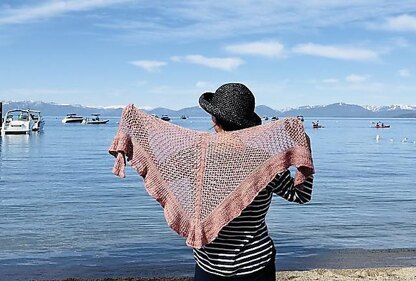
(244, 245)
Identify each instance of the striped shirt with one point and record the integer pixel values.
(244, 245)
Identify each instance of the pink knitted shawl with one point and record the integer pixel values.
(204, 180)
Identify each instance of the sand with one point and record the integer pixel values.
(379, 274)
(364, 274)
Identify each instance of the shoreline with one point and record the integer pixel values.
(353, 258)
(362, 274)
(335, 264)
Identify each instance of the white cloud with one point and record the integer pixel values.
(336, 52)
(51, 9)
(149, 65)
(260, 48)
(176, 59)
(404, 72)
(400, 23)
(195, 20)
(211, 19)
(330, 81)
(201, 84)
(227, 64)
(354, 78)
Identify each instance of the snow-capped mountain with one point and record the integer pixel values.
(55, 109)
(331, 110)
(390, 107)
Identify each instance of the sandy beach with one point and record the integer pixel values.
(379, 274)
(364, 274)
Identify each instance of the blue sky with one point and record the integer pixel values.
(166, 53)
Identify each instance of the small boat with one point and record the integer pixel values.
(316, 125)
(300, 117)
(22, 121)
(95, 120)
(184, 117)
(72, 118)
(274, 118)
(165, 118)
(266, 118)
(155, 115)
(380, 125)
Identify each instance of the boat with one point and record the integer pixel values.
(22, 121)
(72, 118)
(300, 117)
(165, 118)
(95, 120)
(380, 125)
(38, 121)
(265, 118)
(274, 118)
(316, 125)
(184, 117)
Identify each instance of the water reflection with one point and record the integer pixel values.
(16, 138)
(20, 143)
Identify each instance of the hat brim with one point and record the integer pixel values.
(242, 121)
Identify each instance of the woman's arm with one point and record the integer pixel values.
(283, 185)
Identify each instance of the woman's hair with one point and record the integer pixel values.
(230, 126)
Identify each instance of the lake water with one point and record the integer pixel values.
(63, 213)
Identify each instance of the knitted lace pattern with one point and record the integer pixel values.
(204, 180)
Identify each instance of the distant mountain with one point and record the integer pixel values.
(394, 110)
(390, 107)
(189, 111)
(331, 110)
(196, 111)
(54, 109)
(352, 110)
(162, 111)
(263, 110)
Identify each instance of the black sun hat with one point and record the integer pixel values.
(233, 103)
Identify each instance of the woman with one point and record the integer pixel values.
(243, 249)
(216, 188)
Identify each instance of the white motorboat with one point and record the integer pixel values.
(22, 121)
(94, 120)
(165, 117)
(38, 121)
(72, 118)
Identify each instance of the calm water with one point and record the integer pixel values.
(63, 213)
